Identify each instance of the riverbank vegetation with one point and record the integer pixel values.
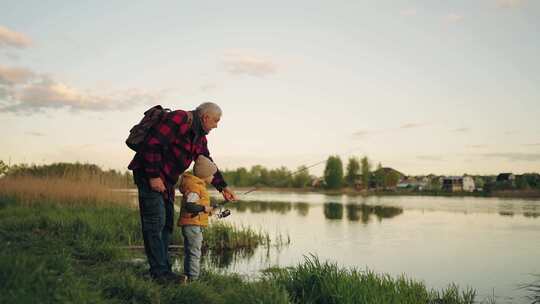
(62, 244)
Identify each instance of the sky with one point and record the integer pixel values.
(443, 87)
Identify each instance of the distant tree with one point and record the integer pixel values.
(280, 177)
(353, 168)
(521, 182)
(435, 184)
(259, 176)
(302, 178)
(479, 182)
(242, 177)
(3, 168)
(489, 187)
(333, 172)
(533, 180)
(391, 179)
(366, 169)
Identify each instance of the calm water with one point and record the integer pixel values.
(490, 244)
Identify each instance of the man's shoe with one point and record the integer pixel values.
(169, 278)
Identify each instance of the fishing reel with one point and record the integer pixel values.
(221, 213)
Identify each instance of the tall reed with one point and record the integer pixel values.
(29, 190)
(316, 282)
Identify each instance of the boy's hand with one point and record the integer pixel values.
(228, 194)
(208, 209)
(157, 184)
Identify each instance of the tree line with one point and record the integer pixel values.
(358, 174)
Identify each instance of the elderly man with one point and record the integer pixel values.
(166, 153)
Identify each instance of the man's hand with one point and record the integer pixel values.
(228, 195)
(208, 209)
(157, 184)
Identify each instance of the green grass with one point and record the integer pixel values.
(57, 254)
(318, 282)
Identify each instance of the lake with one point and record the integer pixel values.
(490, 244)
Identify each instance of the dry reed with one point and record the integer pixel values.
(29, 190)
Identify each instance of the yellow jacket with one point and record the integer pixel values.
(193, 184)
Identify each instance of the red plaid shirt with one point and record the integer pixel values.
(170, 148)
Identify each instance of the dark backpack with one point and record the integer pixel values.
(140, 131)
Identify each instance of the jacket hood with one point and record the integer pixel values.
(189, 178)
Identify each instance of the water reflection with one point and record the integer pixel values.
(506, 213)
(269, 206)
(226, 258)
(261, 206)
(528, 211)
(302, 208)
(333, 211)
(360, 212)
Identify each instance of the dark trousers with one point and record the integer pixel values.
(157, 217)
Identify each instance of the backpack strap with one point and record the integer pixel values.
(190, 118)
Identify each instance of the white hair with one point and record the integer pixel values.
(209, 108)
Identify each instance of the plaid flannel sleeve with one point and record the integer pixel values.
(174, 124)
(218, 181)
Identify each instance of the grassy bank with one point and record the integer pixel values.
(55, 255)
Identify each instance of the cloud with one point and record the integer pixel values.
(408, 12)
(362, 133)
(516, 156)
(13, 76)
(461, 130)
(252, 65)
(477, 146)
(430, 157)
(33, 133)
(509, 3)
(9, 38)
(453, 18)
(23, 91)
(412, 125)
(365, 133)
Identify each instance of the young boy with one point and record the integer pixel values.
(194, 213)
